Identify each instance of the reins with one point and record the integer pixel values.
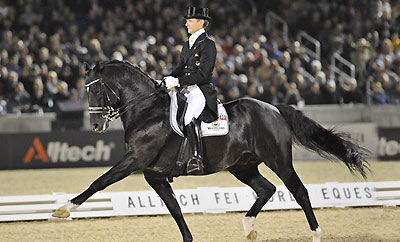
(130, 103)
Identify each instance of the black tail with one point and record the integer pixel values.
(326, 142)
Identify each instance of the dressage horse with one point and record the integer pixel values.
(259, 133)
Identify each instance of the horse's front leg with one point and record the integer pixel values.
(122, 169)
(164, 190)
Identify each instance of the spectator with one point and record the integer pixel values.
(95, 53)
(265, 72)
(271, 95)
(331, 96)
(7, 41)
(13, 65)
(314, 95)
(316, 67)
(39, 99)
(351, 93)
(62, 92)
(361, 56)
(3, 81)
(282, 84)
(292, 96)
(79, 93)
(378, 94)
(11, 84)
(52, 83)
(395, 98)
(20, 101)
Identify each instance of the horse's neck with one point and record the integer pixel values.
(144, 100)
(145, 108)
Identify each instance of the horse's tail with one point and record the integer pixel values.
(326, 142)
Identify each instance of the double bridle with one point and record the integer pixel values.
(106, 110)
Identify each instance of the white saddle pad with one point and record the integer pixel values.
(219, 127)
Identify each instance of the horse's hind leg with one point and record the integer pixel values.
(264, 190)
(164, 190)
(291, 180)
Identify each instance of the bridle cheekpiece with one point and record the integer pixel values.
(106, 110)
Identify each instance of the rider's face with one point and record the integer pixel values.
(193, 25)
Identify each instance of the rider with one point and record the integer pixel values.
(193, 74)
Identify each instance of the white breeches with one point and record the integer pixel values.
(196, 103)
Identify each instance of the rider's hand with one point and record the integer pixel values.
(171, 82)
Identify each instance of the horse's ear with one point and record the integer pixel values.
(97, 67)
(87, 67)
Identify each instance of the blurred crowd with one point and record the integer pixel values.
(45, 43)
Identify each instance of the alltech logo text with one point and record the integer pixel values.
(57, 151)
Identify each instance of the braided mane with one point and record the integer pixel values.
(132, 66)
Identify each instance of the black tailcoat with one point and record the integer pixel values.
(195, 67)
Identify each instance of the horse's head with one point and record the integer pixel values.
(103, 97)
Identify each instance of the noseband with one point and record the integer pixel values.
(106, 110)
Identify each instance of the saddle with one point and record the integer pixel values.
(220, 127)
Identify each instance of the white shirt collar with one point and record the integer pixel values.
(194, 37)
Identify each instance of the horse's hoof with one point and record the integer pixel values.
(252, 235)
(61, 213)
(317, 235)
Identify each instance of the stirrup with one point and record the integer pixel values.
(195, 166)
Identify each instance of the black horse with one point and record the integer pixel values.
(259, 133)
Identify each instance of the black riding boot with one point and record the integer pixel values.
(192, 133)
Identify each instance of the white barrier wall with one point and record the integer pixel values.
(200, 200)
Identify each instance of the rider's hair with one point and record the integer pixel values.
(206, 23)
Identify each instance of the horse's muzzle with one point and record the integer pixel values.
(100, 128)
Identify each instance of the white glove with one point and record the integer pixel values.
(171, 82)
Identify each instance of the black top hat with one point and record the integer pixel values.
(196, 12)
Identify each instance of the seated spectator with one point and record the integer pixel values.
(314, 95)
(302, 85)
(11, 84)
(52, 83)
(62, 92)
(351, 93)
(40, 99)
(265, 71)
(26, 79)
(378, 94)
(331, 96)
(13, 65)
(316, 67)
(3, 80)
(281, 83)
(20, 101)
(395, 98)
(95, 52)
(293, 95)
(78, 94)
(272, 96)
(285, 60)
(252, 91)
